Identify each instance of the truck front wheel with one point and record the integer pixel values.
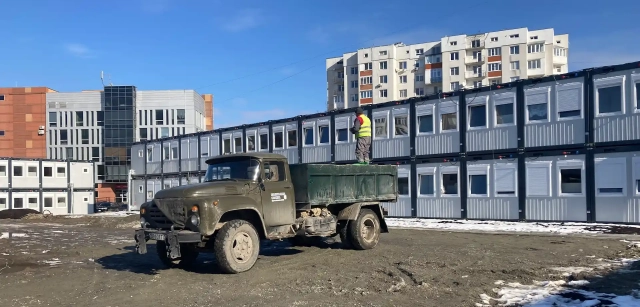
(237, 246)
(364, 232)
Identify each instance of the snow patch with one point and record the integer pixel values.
(8, 235)
(503, 226)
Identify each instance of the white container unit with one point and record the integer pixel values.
(316, 140)
(82, 202)
(285, 140)
(492, 190)
(390, 127)
(437, 127)
(4, 200)
(617, 113)
(56, 202)
(556, 189)
(232, 142)
(345, 146)
(617, 178)
(138, 193)
(401, 208)
(209, 148)
(438, 194)
(54, 175)
(189, 154)
(491, 120)
(153, 186)
(257, 139)
(137, 158)
(170, 156)
(154, 158)
(82, 175)
(4, 174)
(25, 174)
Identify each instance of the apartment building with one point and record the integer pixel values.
(398, 71)
(102, 125)
(22, 122)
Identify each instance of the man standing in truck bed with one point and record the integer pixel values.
(362, 129)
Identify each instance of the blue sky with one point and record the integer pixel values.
(240, 50)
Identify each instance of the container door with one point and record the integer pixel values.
(278, 206)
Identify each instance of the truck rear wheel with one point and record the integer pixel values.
(237, 246)
(364, 232)
(188, 255)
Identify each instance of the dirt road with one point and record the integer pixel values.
(47, 263)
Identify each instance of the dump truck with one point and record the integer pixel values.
(249, 197)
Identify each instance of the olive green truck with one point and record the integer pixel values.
(246, 198)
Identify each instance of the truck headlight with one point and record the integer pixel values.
(195, 220)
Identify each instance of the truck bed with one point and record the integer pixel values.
(324, 184)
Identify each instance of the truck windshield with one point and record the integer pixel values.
(231, 169)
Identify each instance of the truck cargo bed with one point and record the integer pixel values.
(318, 184)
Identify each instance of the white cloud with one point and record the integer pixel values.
(243, 20)
(79, 50)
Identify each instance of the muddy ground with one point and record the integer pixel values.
(91, 262)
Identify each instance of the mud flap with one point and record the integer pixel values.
(141, 242)
(174, 246)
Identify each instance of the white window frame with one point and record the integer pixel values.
(621, 174)
(403, 93)
(58, 203)
(366, 80)
(635, 79)
(366, 94)
(448, 105)
(419, 91)
(424, 110)
(516, 66)
(343, 123)
(502, 99)
(402, 65)
(383, 79)
(205, 145)
(478, 169)
(496, 51)
(256, 144)
(175, 145)
(538, 164)
(534, 64)
(570, 164)
(285, 135)
(515, 49)
(535, 48)
(314, 137)
(378, 115)
(401, 112)
(495, 66)
(447, 170)
(454, 56)
(65, 171)
(383, 93)
(383, 64)
(319, 124)
(570, 86)
(354, 83)
(402, 79)
(476, 102)
(609, 82)
(454, 86)
(354, 97)
(454, 71)
(546, 90)
(426, 171)
(505, 166)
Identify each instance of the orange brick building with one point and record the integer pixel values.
(22, 113)
(208, 111)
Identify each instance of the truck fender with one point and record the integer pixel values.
(249, 214)
(351, 213)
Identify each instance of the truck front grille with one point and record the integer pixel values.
(158, 219)
(173, 210)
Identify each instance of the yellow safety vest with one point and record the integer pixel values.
(365, 128)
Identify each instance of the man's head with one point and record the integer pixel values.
(359, 111)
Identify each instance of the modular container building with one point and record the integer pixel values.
(523, 150)
(57, 186)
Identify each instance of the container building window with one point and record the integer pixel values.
(609, 99)
(251, 142)
(504, 114)
(342, 135)
(226, 146)
(264, 141)
(292, 138)
(62, 202)
(505, 181)
(18, 203)
(450, 184)
(610, 176)
(425, 123)
(537, 105)
(427, 184)
(323, 134)
(570, 180)
(403, 186)
(278, 140)
(478, 116)
(401, 125)
(237, 144)
(48, 202)
(569, 101)
(380, 125)
(538, 179)
(478, 184)
(3, 170)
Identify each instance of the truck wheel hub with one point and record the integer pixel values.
(242, 247)
(368, 230)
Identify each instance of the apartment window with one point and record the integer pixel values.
(427, 185)
(383, 52)
(237, 142)
(455, 86)
(84, 134)
(515, 65)
(164, 132)
(495, 51)
(61, 172)
(32, 171)
(419, 91)
(494, 39)
(79, 118)
(354, 84)
(419, 78)
(17, 171)
(278, 140)
(454, 56)
(383, 79)
(478, 185)
(505, 180)
(637, 88)
(3, 170)
(1, 132)
(143, 133)
(402, 65)
(342, 135)
(53, 119)
(159, 117)
(425, 123)
(533, 37)
(354, 97)
(64, 137)
(366, 55)
(561, 52)
(366, 80)
(366, 94)
(494, 66)
(292, 136)
(609, 99)
(477, 116)
(383, 93)
(450, 183)
(610, 176)
(534, 64)
(454, 71)
(403, 79)
(403, 93)
(535, 48)
(571, 180)
(454, 43)
(504, 113)
(514, 50)
(401, 125)
(495, 81)
(368, 66)
(380, 126)
(419, 51)
(1, 97)
(477, 84)
(62, 202)
(475, 43)
(181, 116)
(18, 202)
(48, 202)
(340, 75)
(383, 65)
(264, 141)
(514, 35)
(251, 143)
(354, 70)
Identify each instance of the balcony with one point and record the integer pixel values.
(475, 45)
(474, 61)
(559, 60)
(535, 72)
(338, 105)
(473, 74)
(430, 80)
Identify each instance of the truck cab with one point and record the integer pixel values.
(245, 198)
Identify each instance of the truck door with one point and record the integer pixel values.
(278, 203)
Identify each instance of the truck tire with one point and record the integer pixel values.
(188, 255)
(365, 230)
(345, 238)
(236, 246)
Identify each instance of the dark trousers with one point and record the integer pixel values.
(363, 147)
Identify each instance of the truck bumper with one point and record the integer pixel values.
(173, 239)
